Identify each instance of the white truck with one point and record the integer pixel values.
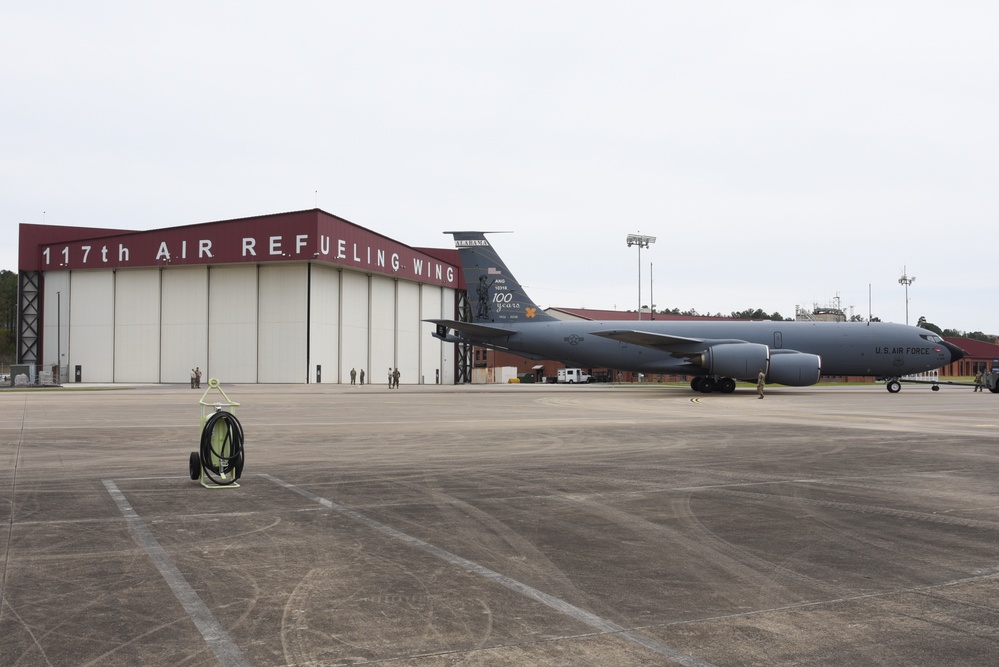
(572, 376)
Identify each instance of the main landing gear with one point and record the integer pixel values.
(708, 383)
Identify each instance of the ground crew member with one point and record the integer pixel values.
(761, 380)
(353, 376)
(979, 378)
(391, 378)
(395, 377)
(362, 376)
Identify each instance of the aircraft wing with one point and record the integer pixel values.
(472, 329)
(678, 345)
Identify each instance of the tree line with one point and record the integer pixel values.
(8, 315)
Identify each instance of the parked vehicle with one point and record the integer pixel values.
(572, 376)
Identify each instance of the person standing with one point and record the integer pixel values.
(362, 376)
(395, 378)
(979, 378)
(192, 378)
(197, 377)
(390, 377)
(353, 376)
(761, 381)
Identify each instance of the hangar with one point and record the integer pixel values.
(294, 297)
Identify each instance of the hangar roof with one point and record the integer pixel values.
(311, 235)
(976, 349)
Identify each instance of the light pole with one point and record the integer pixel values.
(59, 337)
(906, 280)
(642, 242)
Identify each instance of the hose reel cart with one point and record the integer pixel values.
(220, 458)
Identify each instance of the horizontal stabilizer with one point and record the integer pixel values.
(478, 330)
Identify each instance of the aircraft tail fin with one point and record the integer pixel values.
(495, 294)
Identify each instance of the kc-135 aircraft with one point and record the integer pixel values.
(716, 353)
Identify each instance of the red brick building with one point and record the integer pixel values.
(981, 356)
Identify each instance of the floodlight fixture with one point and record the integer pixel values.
(640, 240)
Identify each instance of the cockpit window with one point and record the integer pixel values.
(933, 338)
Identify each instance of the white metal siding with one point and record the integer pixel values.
(408, 309)
(383, 351)
(232, 324)
(431, 357)
(448, 350)
(137, 326)
(184, 323)
(244, 324)
(92, 325)
(283, 334)
(324, 319)
(354, 327)
(56, 325)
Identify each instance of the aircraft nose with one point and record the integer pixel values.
(955, 352)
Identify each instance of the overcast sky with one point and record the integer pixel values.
(782, 153)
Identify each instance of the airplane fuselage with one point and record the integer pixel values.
(845, 348)
(715, 352)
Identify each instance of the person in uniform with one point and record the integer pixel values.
(362, 376)
(979, 380)
(395, 378)
(761, 381)
(353, 376)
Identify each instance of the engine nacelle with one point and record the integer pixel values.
(741, 361)
(794, 369)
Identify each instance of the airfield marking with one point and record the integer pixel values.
(13, 494)
(591, 619)
(216, 637)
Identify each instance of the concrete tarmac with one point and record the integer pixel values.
(503, 525)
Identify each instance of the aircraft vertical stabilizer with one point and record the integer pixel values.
(495, 294)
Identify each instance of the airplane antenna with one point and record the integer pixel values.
(906, 280)
(642, 242)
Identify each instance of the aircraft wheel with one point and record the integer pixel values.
(726, 385)
(194, 465)
(707, 385)
(695, 383)
(936, 387)
(995, 389)
(893, 386)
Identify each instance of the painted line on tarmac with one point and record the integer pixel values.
(216, 637)
(594, 621)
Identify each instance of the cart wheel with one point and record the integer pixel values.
(239, 466)
(195, 465)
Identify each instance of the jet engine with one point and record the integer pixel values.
(735, 360)
(794, 369)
